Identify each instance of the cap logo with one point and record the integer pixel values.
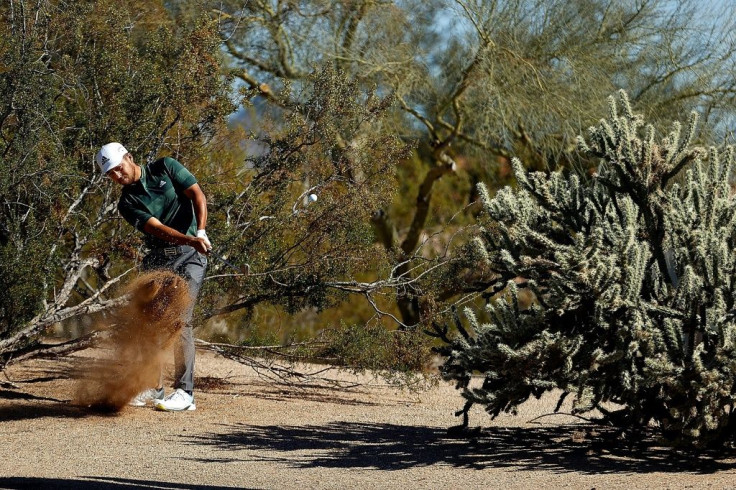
(105, 160)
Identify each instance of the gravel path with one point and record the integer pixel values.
(249, 432)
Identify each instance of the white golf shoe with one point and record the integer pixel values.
(178, 401)
(146, 396)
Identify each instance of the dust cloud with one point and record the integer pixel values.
(141, 330)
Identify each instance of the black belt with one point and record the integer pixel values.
(171, 251)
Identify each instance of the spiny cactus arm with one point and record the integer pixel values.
(654, 220)
(498, 285)
(653, 307)
(610, 184)
(440, 332)
(459, 325)
(682, 157)
(537, 185)
(688, 159)
(618, 201)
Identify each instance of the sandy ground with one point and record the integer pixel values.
(252, 432)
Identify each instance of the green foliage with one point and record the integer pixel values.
(24, 83)
(631, 273)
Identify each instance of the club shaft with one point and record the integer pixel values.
(226, 262)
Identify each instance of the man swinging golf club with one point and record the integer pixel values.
(164, 201)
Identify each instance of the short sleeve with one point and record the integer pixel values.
(180, 176)
(134, 215)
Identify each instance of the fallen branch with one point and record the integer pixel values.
(283, 373)
(41, 350)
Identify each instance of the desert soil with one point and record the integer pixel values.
(250, 431)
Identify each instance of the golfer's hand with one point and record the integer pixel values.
(203, 235)
(200, 245)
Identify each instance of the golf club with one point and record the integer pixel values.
(245, 269)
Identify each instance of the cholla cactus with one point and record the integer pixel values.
(632, 277)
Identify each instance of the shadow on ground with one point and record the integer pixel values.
(95, 483)
(397, 447)
(284, 392)
(20, 395)
(28, 410)
(321, 394)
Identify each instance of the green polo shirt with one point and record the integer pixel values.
(160, 194)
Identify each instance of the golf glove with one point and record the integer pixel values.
(203, 234)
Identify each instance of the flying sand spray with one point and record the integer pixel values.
(140, 332)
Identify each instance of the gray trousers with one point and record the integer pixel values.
(191, 265)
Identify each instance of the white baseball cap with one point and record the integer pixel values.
(110, 156)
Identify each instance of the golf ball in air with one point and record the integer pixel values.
(312, 197)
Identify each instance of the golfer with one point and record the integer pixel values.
(164, 201)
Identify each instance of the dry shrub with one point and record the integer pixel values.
(142, 329)
(371, 346)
